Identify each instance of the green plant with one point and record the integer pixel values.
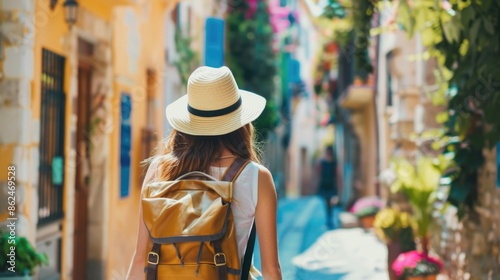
(188, 59)
(251, 57)
(358, 15)
(392, 225)
(334, 10)
(339, 21)
(463, 36)
(26, 257)
(419, 185)
(363, 11)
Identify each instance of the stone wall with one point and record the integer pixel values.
(19, 133)
(470, 248)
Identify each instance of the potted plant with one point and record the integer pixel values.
(417, 265)
(396, 229)
(365, 209)
(20, 263)
(419, 185)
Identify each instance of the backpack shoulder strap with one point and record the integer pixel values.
(247, 260)
(234, 170)
(231, 175)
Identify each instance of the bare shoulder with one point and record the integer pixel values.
(266, 183)
(264, 174)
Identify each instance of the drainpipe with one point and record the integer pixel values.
(375, 95)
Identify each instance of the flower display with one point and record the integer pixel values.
(416, 263)
(419, 182)
(366, 206)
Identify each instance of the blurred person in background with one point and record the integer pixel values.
(328, 188)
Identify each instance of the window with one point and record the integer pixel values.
(52, 123)
(390, 92)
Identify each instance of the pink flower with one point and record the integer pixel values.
(253, 7)
(411, 259)
(365, 202)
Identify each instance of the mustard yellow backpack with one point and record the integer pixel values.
(191, 228)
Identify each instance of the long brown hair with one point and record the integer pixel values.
(181, 153)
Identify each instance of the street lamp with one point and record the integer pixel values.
(70, 12)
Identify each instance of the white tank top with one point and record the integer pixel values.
(245, 193)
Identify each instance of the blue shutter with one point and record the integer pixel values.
(294, 71)
(125, 144)
(214, 42)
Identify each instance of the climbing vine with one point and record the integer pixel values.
(251, 57)
(464, 38)
(359, 16)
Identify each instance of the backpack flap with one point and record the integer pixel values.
(192, 227)
(186, 210)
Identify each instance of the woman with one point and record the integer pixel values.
(212, 127)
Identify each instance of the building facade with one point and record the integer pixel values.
(307, 109)
(79, 112)
(469, 247)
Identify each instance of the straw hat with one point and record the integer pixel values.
(213, 105)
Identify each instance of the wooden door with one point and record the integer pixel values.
(82, 168)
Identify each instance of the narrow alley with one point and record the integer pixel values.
(387, 108)
(312, 252)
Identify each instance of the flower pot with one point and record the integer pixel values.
(429, 277)
(393, 251)
(367, 221)
(13, 276)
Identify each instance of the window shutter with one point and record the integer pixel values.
(214, 42)
(125, 144)
(294, 71)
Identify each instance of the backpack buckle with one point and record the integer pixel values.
(220, 259)
(154, 255)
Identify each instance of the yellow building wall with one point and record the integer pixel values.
(50, 29)
(49, 34)
(146, 23)
(52, 33)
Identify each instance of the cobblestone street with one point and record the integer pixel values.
(308, 251)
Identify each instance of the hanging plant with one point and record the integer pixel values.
(359, 14)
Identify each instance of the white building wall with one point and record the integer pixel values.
(306, 138)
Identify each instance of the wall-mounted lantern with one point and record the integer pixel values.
(70, 12)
